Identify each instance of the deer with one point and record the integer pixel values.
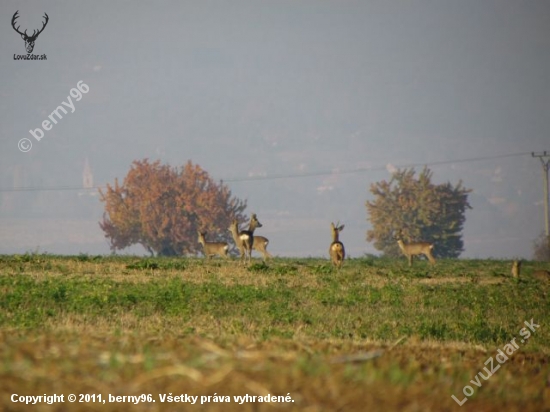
(542, 275)
(29, 40)
(211, 249)
(516, 268)
(260, 245)
(244, 240)
(336, 251)
(416, 248)
(234, 229)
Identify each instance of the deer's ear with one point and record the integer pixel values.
(23, 36)
(341, 228)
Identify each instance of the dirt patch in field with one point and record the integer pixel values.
(317, 375)
(462, 279)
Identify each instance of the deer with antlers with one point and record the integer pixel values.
(244, 240)
(29, 40)
(336, 251)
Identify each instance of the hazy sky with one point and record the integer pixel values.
(251, 89)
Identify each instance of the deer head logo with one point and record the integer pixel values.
(29, 40)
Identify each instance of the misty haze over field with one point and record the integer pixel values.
(299, 106)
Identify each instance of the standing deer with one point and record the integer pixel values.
(211, 249)
(234, 229)
(29, 40)
(516, 268)
(244, 240)
(336, 251)
(543, 275)
(416, 248)
(260, 245)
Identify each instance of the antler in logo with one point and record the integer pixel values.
(29, 40)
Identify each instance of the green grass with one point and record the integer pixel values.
(370, 298)
(128, 320)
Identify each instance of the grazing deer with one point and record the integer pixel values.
(244, 240)
(416, 248)
(516, 268)
(211, 249)
(260, 244)
(336, 251)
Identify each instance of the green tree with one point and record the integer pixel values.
(417, 209)
(161, 208)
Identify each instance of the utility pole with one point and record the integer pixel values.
(545, 167)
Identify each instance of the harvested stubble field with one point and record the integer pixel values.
(375, 335)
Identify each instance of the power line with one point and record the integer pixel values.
(48, 188)
(371, 169)
(291, 175)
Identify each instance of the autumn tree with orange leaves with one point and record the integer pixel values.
(161, 208)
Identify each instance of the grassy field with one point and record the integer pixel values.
(375, 335)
